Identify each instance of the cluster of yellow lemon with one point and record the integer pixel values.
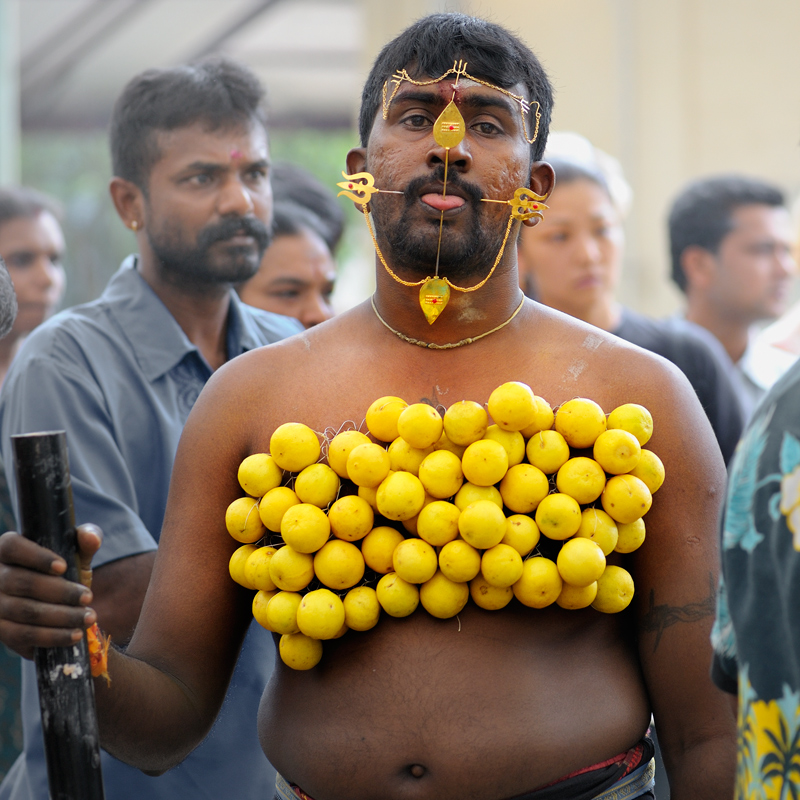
(446, 479)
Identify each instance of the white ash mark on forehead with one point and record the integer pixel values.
(592, 342)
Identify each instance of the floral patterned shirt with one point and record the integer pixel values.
(756, 635)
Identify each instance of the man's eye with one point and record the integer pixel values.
(257, 174)
(200, 180)
(488, 128)
(416, 121)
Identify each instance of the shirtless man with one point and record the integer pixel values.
(496, 704)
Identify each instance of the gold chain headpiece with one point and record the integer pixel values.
(459, 69)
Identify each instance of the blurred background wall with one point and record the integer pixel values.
(673, 90)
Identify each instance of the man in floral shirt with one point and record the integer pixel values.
(756, 636)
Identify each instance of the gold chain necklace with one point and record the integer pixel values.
(449, 345)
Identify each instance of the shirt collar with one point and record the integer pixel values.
(158, 341)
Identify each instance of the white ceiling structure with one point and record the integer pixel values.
(76, 55)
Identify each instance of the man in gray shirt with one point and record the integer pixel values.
(121, 375)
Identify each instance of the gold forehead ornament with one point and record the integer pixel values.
(449, 131)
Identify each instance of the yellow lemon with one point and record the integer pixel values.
(420, 425)
(378, 546)
(402, 456)
(237, 562)
(650, 469)
(367, 464)
(361, 608)
(318, 485)
(440, 473)
(617, 451)
(580, 562)
(574, 597)
(459, 561)
(485, 462)
(626, 498)
(581, 478)
(580, 421)
(633, 418)
(260, 603)
(351, 518)
(290, 570)
(547, 450)
(382, 417)
(443, 598)
(305, 528)
(465, 422)
(488, 597)
(470, 493)
(540, 583)
(370, 494)
(600, 528)
(294, 446)
(299, 651)
(523, 487)
(542, 418)
(243, 521)
(282, 616)
(512, 441)
(558, 516)
(320, 614)
(482, 524)
(398, 598)
(414, 560)
(401, 496)
(512, 406)
(340, 447)
(522, 533)
(437, 523)
(259, 473)
(274, 504)
(501, 565)
(614, 590)
(256, 569)
(339, 564)
(631, 536)
(445, 444)
(411, 524)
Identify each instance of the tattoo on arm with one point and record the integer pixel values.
(659, 618)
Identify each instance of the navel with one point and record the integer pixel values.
(417, 771)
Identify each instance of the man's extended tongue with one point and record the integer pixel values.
(443, 203)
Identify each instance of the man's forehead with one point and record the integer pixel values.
(198, 141)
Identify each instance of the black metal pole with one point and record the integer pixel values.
(66, 691)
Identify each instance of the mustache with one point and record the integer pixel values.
(454, 181)
(228, 227)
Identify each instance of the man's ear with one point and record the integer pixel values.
(129, 202)
(699, 266)
(356, 161)
(543, 181)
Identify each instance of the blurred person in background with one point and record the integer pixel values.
(32, 246)
(731, 249)
(572, 262)
(297, 272)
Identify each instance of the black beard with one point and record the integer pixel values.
(195, 267)
(413, 247)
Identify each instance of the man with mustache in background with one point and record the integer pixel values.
(121, 374)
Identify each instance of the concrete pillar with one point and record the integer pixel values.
(9, 93)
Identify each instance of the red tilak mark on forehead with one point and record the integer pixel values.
(236, 154)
